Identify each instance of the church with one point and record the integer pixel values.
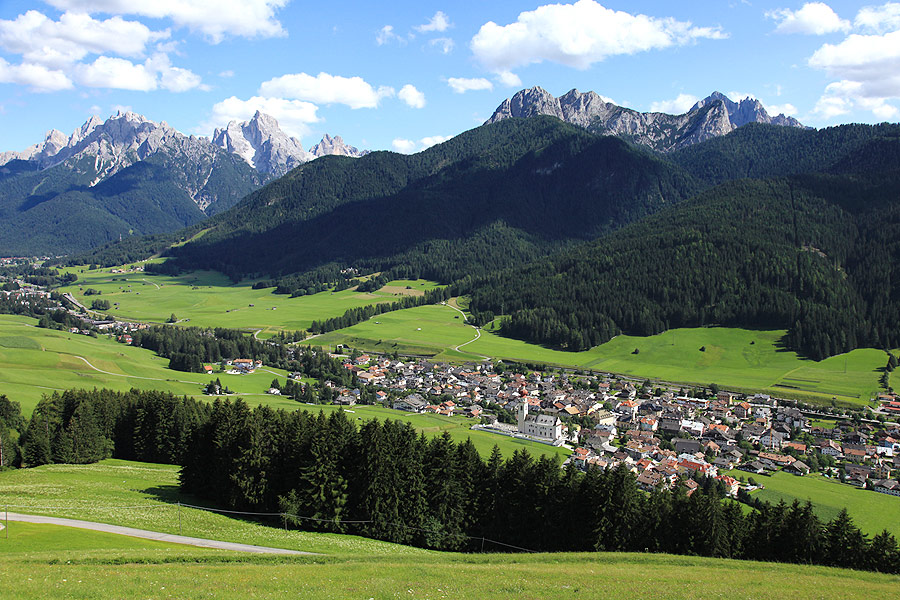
(543, 427)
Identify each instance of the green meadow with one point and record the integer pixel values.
(736, 359)
(35, 361)
(209, 299)
(41, 561)
(872, 512)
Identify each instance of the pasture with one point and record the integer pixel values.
(209, 299)
(735, 359)
(872, 512)
(36, 361)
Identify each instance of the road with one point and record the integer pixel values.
(477, 332)
(151, 535)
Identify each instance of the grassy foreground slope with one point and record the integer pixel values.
(40, 561)
(738, 359)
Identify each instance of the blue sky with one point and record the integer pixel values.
(404, 75)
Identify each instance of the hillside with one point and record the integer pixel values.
(814, 254)
(492, 197)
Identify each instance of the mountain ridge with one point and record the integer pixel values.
(713, 116)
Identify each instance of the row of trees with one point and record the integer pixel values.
(383, 480)
(359, 314)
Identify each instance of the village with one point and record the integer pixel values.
(662, 436)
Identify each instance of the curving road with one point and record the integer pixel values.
(152, 535)
(477, 331)
(130, 376)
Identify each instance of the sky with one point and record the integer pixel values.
(404, 75)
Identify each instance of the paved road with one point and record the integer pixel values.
(466, 321)
(152, 535)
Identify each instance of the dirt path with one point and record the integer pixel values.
(151, 535)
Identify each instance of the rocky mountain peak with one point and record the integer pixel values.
(262, 143)
(713, 116)
(335, 145)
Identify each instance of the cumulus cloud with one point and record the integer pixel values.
(461, 85)
(879, 19)
(37, 77)
(294, 116)
(56, 44)
(439, 22)
(509, 79)
(578, 35)
(106, 72)
(868, 71)
(411, 96)
(215, 19)
(675, 106)
(813, 18)
(405, 146)
(355, 92)
(781, 109)
(446, 45)
(174, 79)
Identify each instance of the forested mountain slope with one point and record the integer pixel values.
(817, 254)
(489, 198)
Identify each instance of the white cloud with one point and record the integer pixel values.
(433, 140)
(118, 73)
(386, 35)
(781, 109)
(676, 106)
(38, 77)
(174, 79)
(813, 18)
(294, 116)
(213, 18)
(509, 79)
(405, 146)
(578, 35)
(461, 85)
(355, 92)
(879, 19)
(56, 44)
(413, 97)
(439, 22)
(445, 44)
(870, 62)
(226, 74)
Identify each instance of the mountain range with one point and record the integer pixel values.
(714, 116)
(129, 175)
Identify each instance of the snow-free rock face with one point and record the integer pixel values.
(262, 143)
(714, 116)
(335, 145)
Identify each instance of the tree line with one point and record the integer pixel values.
(386, 481)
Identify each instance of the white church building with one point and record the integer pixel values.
(542, 427)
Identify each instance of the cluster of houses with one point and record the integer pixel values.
(658, 436)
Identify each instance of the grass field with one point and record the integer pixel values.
(872, 512)
(55, 562)
(737, 359)
(209, 299)
(35, 361)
